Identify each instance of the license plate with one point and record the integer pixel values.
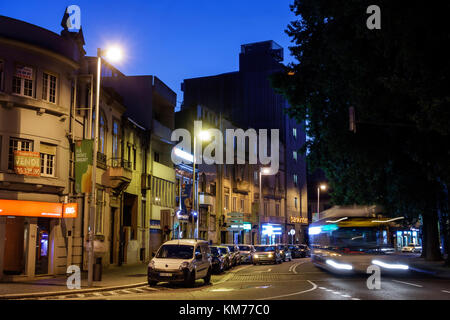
(163, 274)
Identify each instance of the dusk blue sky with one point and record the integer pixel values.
(173, 40)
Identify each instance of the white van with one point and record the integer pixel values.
(183, 260)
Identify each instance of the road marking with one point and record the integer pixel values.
(293, 294)
(445, 291)
(297, 264)
(355, 299)
(322, 288)
(410, 284)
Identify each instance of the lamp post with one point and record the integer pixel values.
(262, 171)
(203, 136)
(113, 54)
(321, 187)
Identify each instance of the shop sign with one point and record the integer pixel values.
(299, 220)
(38, 209)
(27, 163)
(83, 166)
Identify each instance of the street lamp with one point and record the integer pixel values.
(322, 187)
(203, 136)
(113, 54)
(262, 171)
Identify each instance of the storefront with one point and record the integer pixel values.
(28, 242)
(403, 238)
(271, 233)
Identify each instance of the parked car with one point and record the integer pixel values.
(266, 254)
(412, 248)
(226, 253)
(246, 251)
(295, 251)
(183, 260)
(304, 250)
(235, 255)
(284, 252)
(220, 258)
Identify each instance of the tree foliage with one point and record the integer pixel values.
(396, 78)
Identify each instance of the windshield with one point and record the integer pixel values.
(265, 249)
(231, 248)
(352, 239)
(244, 248)
(173, 251)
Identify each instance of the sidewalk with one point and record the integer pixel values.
(113, 277)
(435, 268)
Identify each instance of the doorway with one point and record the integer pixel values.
(15, 246)
(42, 245)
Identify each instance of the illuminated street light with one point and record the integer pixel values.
(113, 54)
(203, 135)
(322, 187)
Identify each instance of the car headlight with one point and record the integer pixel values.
(151, 264)
(256, 256)
(184, 265)
(281, 251)
(270, 255)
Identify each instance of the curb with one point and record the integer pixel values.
(68, 292)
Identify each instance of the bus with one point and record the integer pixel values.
(350, 239)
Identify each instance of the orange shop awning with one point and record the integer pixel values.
(38, 209)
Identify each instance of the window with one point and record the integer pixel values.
(48, 153)
(226, 204)
(296, 202)
(266, 209)
(277, 209)
(134, 158)
(23, 81)
(294, 133)
(129, 153)
(233, 205)
(99, 213)
(17, 145)
(156, 157)
(295, 179)
(115, 142)
(242, 205)
(256, 178)
(101, 134)
(1, 76)
(295, 155)
(49, 87)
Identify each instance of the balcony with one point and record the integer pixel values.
(205, 199)
(241, 186)
(120, 174)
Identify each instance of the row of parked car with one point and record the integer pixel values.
(226, 256)
(187, 260)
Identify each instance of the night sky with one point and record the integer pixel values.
(174, 39)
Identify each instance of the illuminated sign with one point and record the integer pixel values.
(271, 229)
(38, 209)
(247, 226)
(299, 220)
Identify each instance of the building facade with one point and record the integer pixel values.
(38, 71)
(246, 97)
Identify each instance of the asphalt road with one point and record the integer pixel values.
(297, 280)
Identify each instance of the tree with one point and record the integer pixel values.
(396, 78)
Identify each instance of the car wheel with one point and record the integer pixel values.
(152, 283)
(207, 279)
(189, 281)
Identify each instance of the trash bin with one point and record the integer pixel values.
(98, 269)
